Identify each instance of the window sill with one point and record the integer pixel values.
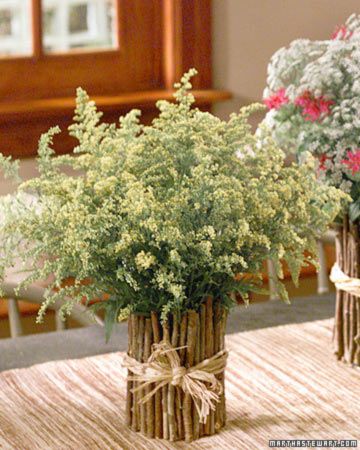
(22, 122)
(36, 109)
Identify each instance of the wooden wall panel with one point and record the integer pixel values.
(187, 41)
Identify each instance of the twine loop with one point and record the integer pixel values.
(164, 367)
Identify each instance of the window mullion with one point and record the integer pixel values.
(118, 20)
(37, 38)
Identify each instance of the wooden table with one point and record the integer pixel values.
(26, 351)
(282, 383)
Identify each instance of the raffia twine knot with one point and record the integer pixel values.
(163, 367)
(343, 282)
(178, 373)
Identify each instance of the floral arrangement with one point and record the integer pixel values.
(313, 96)
(158, 217)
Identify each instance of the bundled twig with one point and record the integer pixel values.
(347, 312)
(196, 340)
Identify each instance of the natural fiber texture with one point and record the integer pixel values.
(177, 393)
(164, 367)
(281, 383)
(344, 282)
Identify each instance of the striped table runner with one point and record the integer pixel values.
(282, 383)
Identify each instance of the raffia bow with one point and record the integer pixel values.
(343, 282)
(164, 367)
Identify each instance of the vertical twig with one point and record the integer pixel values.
(202, 347)
(209, 351)
(175, 339)
(217, 345)
(134, 346)
(150, 410)
(356, 358)
(129, 383)
(183, 328)
(338, 328)
(164, 389)
(352, 271)
(197, 424)
(140, 358)
(190, 354)
(202, 331)
(171, 388)
(223, 322)
(357, 337)
(158, 395)
(345, 294)
(355, 300)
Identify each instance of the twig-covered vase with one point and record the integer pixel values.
(347, 314)
(171, 413)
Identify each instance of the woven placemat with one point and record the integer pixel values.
(281, 383)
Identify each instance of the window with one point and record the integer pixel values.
(125, 53)
(15, 27)
(105, 46)
(66, 25)
(76, 24)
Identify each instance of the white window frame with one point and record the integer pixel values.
(20, 41)
(97, 36)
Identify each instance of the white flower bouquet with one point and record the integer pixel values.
(313, 96)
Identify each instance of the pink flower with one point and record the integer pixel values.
(322, 160)
(341, 32)
(313, 108)
(324, 105)
(303, 100)
(352, 161)
(276, 100)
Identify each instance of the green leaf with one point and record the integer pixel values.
(354, 211)
(112, 309)
(282, 292)
(111, 315)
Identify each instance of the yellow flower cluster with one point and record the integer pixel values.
(160, 216)
(144, 260)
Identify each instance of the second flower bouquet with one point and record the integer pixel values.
(313, 96)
